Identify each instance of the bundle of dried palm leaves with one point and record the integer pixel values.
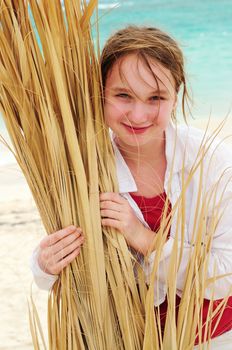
(51, 101)
(52, 106)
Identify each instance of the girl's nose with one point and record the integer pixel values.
(139, 113)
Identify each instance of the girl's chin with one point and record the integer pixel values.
(133, 141)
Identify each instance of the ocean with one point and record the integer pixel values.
(204, 31)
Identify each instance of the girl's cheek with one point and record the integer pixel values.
(107, 112)
(115, 112)
(164, 116)
(108, 122)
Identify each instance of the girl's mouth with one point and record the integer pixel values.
(136, 130)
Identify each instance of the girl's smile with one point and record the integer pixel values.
(136, 130)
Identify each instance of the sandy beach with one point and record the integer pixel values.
(20, 232)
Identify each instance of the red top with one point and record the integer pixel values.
(152, 209)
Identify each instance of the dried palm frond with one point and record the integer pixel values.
(51, 98)
(52, 106)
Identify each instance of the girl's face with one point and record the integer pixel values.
(133, 107)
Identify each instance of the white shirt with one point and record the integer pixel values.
(182, 146)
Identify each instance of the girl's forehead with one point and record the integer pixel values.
(134, 69)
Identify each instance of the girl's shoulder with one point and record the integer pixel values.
(190, 143)
(194, 139)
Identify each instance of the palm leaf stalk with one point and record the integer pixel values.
(51, 99)
(51, 102)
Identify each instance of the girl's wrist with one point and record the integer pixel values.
(145, 240)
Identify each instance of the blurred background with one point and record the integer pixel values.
(204, 30)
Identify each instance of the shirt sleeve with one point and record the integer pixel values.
(42, 279)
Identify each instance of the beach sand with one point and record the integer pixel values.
(20, 231)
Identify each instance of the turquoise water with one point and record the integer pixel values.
(204, 29)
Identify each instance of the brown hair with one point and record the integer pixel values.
(147, 43)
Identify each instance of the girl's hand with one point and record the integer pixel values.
(59, 249)
(116, 212)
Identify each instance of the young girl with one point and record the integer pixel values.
(142, 73)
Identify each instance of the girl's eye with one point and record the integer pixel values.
(122, 95)
(156, 98)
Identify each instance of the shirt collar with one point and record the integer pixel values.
(126, 181)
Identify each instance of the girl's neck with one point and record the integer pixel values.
(148, 166)
(150, 153)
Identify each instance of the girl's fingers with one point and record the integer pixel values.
(67, 260)
(112, 223)
(67, 250)
(112, 214)
(52, 264)
(111, 205)
(112, 196)
(66, 241)
(57, 236)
